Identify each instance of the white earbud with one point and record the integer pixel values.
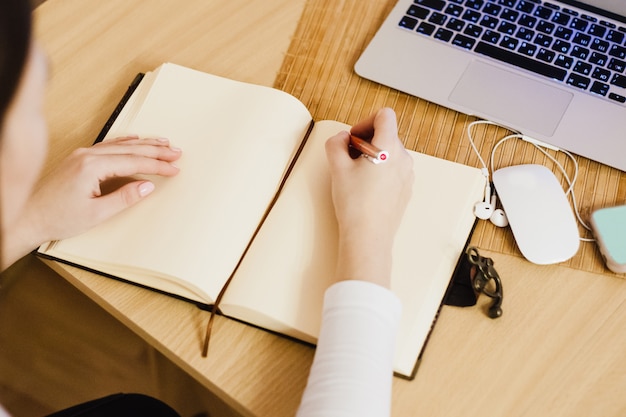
(484, 209)
(498, 218)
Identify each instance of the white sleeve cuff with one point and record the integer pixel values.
(352, 369)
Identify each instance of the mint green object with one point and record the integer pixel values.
(609, 226)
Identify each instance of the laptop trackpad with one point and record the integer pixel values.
(511, 99)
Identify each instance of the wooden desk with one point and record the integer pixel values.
(559, 348)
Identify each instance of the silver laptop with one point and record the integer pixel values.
(553, 70)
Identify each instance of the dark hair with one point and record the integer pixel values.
(15, 33)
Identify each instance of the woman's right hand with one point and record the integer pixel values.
(369, 199)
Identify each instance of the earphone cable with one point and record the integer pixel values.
(570, 184)
(517, 135)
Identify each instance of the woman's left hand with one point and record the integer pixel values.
(71, 199)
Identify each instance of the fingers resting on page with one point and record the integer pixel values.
(73, 198)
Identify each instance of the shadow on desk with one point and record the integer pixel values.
(59, 348)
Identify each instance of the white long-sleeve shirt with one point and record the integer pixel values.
(352, 371)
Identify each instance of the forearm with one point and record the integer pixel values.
(365, 256)
(17, 241)
(352, 370)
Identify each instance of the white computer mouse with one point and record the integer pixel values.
(539, 213)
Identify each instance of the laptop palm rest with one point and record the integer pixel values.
(510, 99)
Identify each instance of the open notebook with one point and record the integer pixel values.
(243, 146)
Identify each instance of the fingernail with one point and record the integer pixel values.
(146, 188)
(175, 149)
(162, 140)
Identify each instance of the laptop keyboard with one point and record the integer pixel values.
(580, 50)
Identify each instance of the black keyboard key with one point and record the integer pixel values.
(599, 88)
(598, 59)
(579, 52)
(492, 9)
(583, 67)
(437, 18)
(561, 46)
(608, 24)
(426, 28)
(454, 10)
(471, 16)
(589, 18)
(564, 61)
(561, 18)
(489, 22)
(543, 12)
(579, 24)
(473, 30)
(582, 39)
(509, 43)
(455, 24)
(618, 51)
(545, 27)
(578, 81)
(601, 74)
(619, 80)
(443, 34)
(545, 55)
(432, 4)
(463, 41)
(615, 36)
(528, 21)
(510, 15)
(525, 34)
(563, 33)
(527, 49)
(599, 45)
(417, 12)
(408, 22)
(617, 97)
(543, 40)
(616, 65)
(525, 6)
(507, 28)
(491, 36)
(474, 4)
(507, 3)
(520, 61)
(597, 30)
